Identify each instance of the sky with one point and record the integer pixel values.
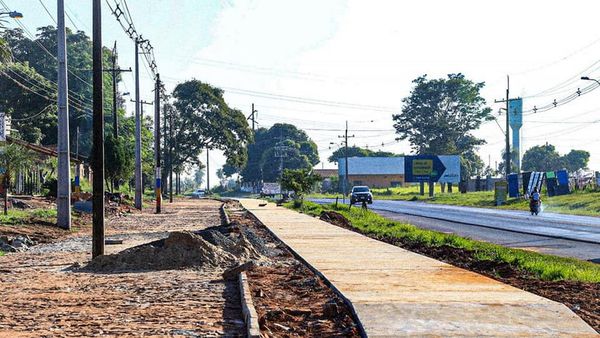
(318, 64)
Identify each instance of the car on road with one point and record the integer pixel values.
(199, 193)
(361, 194)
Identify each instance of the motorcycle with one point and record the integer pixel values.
(534, 207)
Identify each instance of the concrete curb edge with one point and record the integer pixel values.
(248, 310)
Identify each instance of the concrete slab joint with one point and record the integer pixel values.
(248, 310)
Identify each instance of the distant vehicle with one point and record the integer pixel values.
(198, 193)
(361, 194)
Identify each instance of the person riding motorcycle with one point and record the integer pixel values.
(535, 201)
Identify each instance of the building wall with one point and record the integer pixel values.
(376, 181)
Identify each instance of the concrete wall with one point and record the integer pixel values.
(376, 181)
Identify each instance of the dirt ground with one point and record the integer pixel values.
(291, 301)
(45, 292)
(582, 298)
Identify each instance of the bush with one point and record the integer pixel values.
(50, 187)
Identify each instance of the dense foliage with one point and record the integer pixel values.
(283, 146)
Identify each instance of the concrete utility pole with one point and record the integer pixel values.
(253, 117)
(171, 157)
(98, 135)
(158, 175)
(115, 72)
(63, 200)
(507, 136)
(78, 165)
(207, 173)
(345, 136)
(138, 132)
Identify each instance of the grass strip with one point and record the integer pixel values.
(542, 266)
(585, 203)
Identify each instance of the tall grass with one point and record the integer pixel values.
(543, 266)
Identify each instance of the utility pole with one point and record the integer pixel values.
(158, 175)
(115, 71)
(345, 136)
(78, 165)
(98, 136)
(253, 117)
(63, 200)
(207, 173)
(507, 139)
(171, 157)
(138, 132)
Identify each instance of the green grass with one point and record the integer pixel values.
(577, 203)
(545, 267)
(19, 217)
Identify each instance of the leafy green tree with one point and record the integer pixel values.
(35, 68)
(119, 162)
(199, 174)
(203, 120)
(12, 157)
(541, 158)
(300, 181)
(355, 151)
(575, 160)
(271, 145)
(513, 162)
(440, 114)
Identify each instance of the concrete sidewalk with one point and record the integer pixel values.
(396, 292)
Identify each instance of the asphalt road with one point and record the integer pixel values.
(557, 234)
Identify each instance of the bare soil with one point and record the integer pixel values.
(291, 300)
(582, 298)
(45, 292)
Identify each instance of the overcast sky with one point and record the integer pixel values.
(366, 53)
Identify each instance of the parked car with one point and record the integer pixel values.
(198, 193)
(361, 194)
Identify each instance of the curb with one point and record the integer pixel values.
(248, 310)
(327, 282)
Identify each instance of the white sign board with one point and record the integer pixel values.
(271, 188)
(3, 127)
(452, 172)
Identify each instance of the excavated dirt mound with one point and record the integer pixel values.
(335, 218)
(215, 247)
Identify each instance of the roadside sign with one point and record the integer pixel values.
(3, 127)
(271, 188)
(500, 191)
(432, 168)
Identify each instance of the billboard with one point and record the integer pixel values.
(432, 168)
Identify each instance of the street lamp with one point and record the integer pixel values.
(586, 78)
(13, 14)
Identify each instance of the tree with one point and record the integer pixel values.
(541, 158)
(203, 120)
(546, 158)
(119, 162)
(575, 160)
(353, 151)
(300, 181)
(12, 158)
(280, 142)
(513, 162)
(199, 174)
(440, 114)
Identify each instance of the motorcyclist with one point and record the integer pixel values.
(535, 201)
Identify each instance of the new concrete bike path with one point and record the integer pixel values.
(395, 292)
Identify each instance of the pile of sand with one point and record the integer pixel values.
(217, 247)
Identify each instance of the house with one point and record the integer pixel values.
(375, 172)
